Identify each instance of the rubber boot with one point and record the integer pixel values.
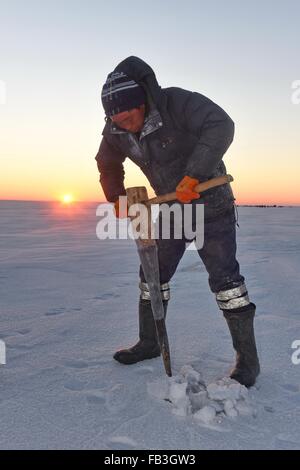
(240, 322)
(147, 347)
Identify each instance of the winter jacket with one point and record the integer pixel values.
(184, 133)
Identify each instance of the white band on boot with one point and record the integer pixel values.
(233, 298)
(164, 289)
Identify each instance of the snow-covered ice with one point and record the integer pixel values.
(69, 300)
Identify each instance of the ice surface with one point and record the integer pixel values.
(69, 300)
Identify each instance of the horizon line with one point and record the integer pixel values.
(102, 202)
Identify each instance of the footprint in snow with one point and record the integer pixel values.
(105, 296)
(55, 311)
(269, 409)
(10, 334)
(96, 398)
(24, 331)
(262, 260)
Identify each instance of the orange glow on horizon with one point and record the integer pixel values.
(252, 185)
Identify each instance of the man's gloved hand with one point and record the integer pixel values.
(120, 211)
(184, 190)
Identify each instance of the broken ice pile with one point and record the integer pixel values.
(207, 403)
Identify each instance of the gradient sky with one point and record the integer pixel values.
(55, 56)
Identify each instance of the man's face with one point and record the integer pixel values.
(132, 120)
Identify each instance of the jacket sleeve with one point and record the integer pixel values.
(110, 165)
(215, 132)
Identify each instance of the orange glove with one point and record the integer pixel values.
(184, 190)
(121, 212)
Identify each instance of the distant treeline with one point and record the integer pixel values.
(260, 205)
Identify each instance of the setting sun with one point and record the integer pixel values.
(67, 198)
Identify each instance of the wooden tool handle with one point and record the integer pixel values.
(198, 189)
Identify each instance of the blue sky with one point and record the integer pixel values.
(55, 56)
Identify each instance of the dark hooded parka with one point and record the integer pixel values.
(184, 133)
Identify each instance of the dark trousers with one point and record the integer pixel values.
(218, 254)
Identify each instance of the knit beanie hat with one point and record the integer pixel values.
(121, 93)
